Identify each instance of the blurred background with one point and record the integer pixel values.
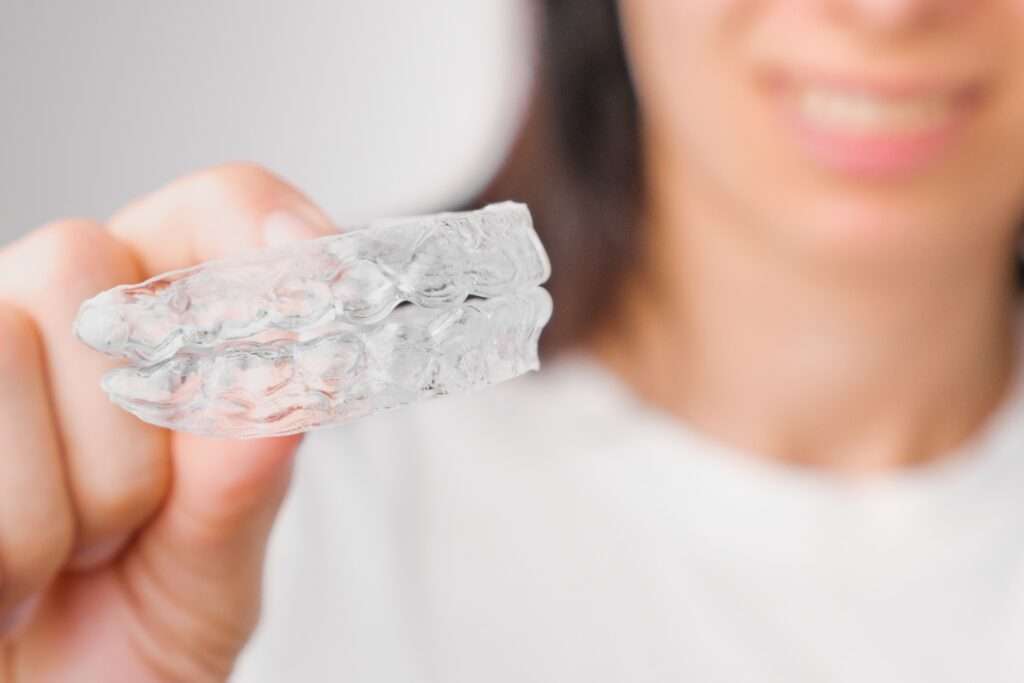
(371, 107)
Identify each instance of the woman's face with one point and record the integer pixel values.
(871, 127)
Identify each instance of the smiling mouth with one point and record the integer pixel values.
(859, 112)
(875, 128)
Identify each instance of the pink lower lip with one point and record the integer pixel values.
(877, 154)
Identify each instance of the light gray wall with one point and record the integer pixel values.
(373, 107)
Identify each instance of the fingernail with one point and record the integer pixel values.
(283, 227)
(18, 616)
(97, 555)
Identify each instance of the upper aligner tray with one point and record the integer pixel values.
(297, 291)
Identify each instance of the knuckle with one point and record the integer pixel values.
(20, 341)
(74, 255)
(69, 238)
(239, 183)
(37, 547)
(120, 501)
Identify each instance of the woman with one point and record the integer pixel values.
(778, 436)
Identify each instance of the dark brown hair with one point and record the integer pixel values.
(577, 164)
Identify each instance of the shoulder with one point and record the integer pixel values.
(455, 456)
(376, 501)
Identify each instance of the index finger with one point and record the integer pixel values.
(212, 214)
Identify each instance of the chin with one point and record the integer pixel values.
(872, 232)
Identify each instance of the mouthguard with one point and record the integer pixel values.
(284, 340)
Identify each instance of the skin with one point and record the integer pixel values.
(139, 551)
(849, 322)
(851, 325)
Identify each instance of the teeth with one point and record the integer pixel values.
(858, 112)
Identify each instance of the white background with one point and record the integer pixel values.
(372, 107)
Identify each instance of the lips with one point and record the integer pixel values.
(875, 127)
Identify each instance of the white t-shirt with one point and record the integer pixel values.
(554, 528)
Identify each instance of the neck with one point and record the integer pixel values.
(852, 368)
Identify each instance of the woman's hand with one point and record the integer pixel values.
(128, 552)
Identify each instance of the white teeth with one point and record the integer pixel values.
(859, 112)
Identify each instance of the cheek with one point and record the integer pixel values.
(684, 61)
(662, 36)
(700, 110)
(693, 66)
(699, 99)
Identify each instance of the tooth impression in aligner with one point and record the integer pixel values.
(313, 333)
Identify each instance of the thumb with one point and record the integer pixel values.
(196, 571)
(209, 541)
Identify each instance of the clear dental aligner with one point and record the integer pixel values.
(287, 339)
(355, 277)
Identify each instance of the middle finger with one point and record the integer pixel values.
(117, 467)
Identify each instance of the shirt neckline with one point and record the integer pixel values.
(997, 444)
